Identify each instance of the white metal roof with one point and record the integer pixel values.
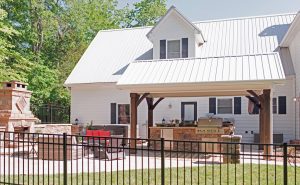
(111, 51)
(109, 54)
(261, 67)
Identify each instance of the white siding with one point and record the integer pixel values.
(295, 54)
(173, 28)
(93, 103)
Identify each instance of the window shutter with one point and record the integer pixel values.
(237, 105)
(212, 105)
(113, 113)
(281, 104)
(274, 105)
(162, 49)
(184, 47)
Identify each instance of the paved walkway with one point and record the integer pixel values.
(10, 164)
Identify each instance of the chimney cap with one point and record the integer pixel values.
(14, 84)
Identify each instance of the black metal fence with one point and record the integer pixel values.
(52, 113)
(31, 158)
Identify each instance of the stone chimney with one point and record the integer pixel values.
(15, 104)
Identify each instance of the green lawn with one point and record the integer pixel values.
(226, 174)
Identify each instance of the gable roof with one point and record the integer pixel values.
(171, 10)
(111, 51)
(292, 31)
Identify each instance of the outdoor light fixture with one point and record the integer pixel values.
(76, 121)
(296, 99)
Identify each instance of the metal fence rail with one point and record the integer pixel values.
(32, 158)
(52, 114)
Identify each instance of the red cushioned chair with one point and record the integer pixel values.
(103, 133)
(89, 132)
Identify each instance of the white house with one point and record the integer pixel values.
(260, 50)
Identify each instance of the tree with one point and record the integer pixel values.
(13, 66)
(42, 40)
(145, 13)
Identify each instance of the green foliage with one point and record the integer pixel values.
(42, 40)
(12, 64)
(145, 13)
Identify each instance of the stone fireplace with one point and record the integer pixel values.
(15, 105)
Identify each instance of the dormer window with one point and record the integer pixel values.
(174, 48)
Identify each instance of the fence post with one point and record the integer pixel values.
(285, 161)
(65, 175)
(162, 153)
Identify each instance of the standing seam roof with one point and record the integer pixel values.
(110, 53)
(214, 69)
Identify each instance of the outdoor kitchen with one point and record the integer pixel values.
(206, 129)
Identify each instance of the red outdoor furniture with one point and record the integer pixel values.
(98, 133)
(106, 144)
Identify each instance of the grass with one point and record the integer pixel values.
(214, 174)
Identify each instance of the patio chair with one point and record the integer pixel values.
(115, 148)
(97, 143)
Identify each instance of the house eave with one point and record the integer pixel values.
(293, 29)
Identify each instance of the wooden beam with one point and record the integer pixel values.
(268, 122)
(157, 102)
(150, 114)
(254, 100)
(251, 92)
(261, 122)
(133, 120)
(199, 94)
(151, 107)
(142, 98)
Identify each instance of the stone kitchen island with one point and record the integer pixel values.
(206, 130)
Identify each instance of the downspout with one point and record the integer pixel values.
(295, 93)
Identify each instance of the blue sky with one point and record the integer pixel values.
(218, 9)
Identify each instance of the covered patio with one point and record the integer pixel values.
(253, 76)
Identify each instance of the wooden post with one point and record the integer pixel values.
(133, 120)
(261, 120)
(150, 114)
(268, 121)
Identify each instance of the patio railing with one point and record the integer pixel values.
(31, 158)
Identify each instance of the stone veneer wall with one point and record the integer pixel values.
(57, 129)
(187, 134)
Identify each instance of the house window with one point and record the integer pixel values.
(224, 106)
(123, 113)
(274, 105)
(173, 49)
